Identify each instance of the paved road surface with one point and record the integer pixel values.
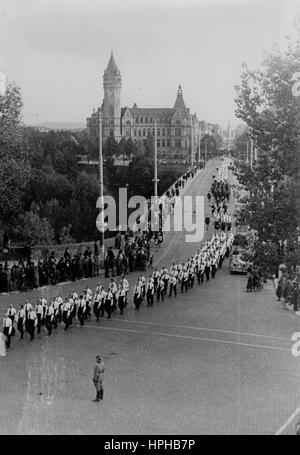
(214, 361)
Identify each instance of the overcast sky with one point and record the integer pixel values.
(57, 50)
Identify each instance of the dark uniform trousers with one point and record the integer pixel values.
(149, 297)
(173, 287)
(48, 324)
(20, 327)
(121, 303)
(137, 299)
(207, 272)
(8, 336)
(65, 318)
(80, 315)
(31, 328)
(184, 284)
(213, 270)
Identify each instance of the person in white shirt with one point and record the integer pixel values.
(173, 285)
(96, 304)
(160, 291)
(113, 287)
(88, 298)
(124, 283)
(137, 295)
(74, 295)
(12, 313)
(28, 307)
(142, 281)
(21, 316)
(55, 304)
(39, 309)
(155, 278)
(150, 291)
(58, 314)
(7, 329)
(44, 303)
(66, 309)
(72, 310)
(109, 303)
(81, 309)
(32, 323)
(102, 301)
(49, 317)
(121, 295)
(184, 280)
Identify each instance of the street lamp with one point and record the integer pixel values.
(101, 224)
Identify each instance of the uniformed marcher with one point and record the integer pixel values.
(160, 291)
(7, 329)
(21, 316)
(66, 310)
(39, 309)
(32, 323)
(113, 288)
(97, 303)
(150, 291)
(207, 269)
(137, 295)
(109, 303)
(12, 314)
(173, 285)
(98, 377)
(49, 317)
(184, 280)
(121, 295)
(28, 307)
(81, 310)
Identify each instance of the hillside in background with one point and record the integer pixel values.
(61, 125)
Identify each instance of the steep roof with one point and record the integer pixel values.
(179, 105)
(111, 69)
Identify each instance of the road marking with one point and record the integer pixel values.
(287, 422)
(204, 328)
(190, 338)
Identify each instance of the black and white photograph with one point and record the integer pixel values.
(149, 220)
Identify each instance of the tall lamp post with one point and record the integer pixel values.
(101, 225)
(155, 180)
(155, 210)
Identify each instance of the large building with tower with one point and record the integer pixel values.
(178, 131)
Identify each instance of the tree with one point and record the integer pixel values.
(14, 170)
(31, 228)
(266, 103)
(86, 194)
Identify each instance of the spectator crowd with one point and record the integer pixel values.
(288, 287)
(54, 268)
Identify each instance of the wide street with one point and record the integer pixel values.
(216, 360)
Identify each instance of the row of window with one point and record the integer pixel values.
(163, 132)
(151, 120)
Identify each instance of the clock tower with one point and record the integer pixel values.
(111, 110)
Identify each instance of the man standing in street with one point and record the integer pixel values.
(98, 377)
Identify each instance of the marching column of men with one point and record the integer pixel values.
(161, 283)
(164, 282)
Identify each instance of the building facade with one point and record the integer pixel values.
(178, 131)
